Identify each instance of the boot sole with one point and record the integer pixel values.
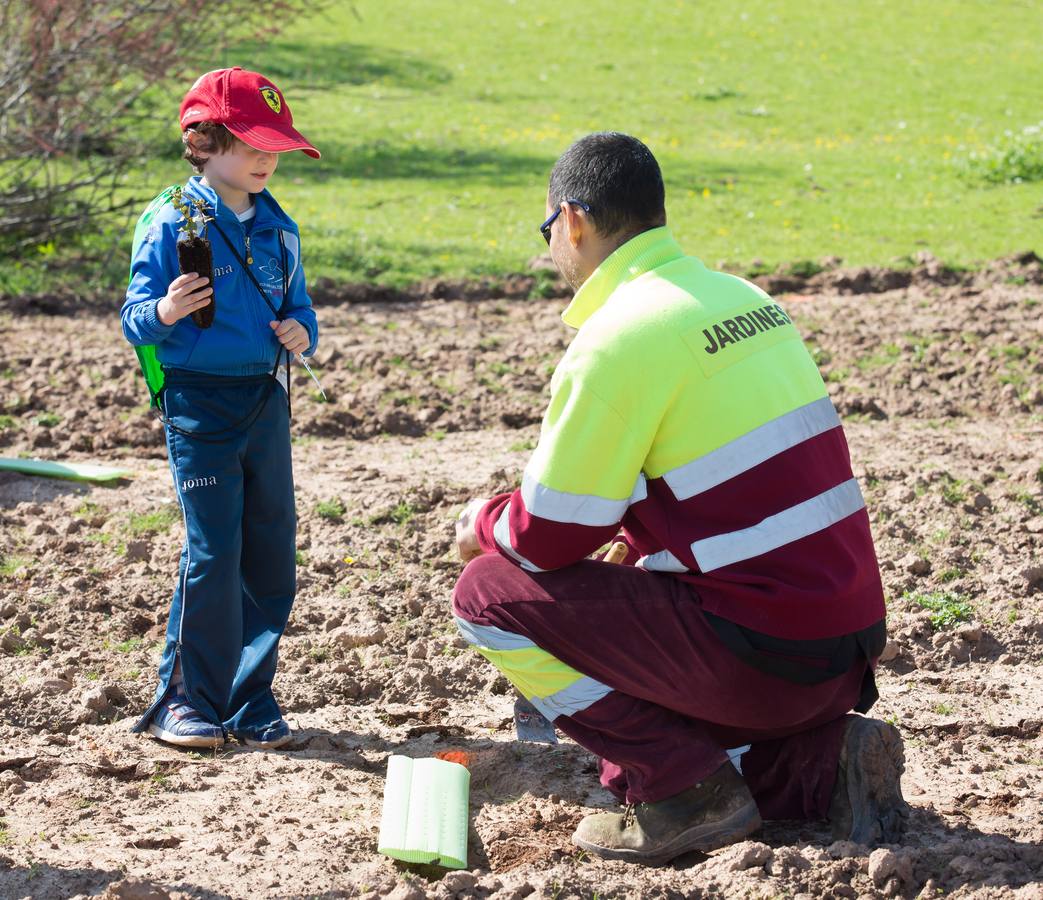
(703, 838)
(183, 740)
(873, 769)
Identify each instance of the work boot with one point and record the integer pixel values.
(867, 806)
(717, 811)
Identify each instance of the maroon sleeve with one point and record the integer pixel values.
(537, 544)
(486, 521)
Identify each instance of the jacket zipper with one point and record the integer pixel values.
(248, 256)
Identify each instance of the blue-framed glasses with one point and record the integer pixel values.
(545, 227)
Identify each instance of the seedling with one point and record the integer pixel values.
(402, 513)
(332, 510)
(952, 491)
(947, 608)
(9, 565)
(153, 522)
(193, 249)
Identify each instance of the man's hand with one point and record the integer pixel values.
(292, 335)
(466, 540)
(186, 294)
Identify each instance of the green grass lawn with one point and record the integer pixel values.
(786, 130)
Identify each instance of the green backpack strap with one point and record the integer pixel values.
(147, 358)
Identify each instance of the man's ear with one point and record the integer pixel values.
(575, 222)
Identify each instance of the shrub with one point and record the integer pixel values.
(805, 268)
(1017, 158)
(75, 113)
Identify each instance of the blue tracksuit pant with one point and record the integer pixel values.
(237, 577)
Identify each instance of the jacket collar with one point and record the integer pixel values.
(269, 214)
(640, 254)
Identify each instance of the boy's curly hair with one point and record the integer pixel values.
(210, 138)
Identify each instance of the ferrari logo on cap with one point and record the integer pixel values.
(272, 98)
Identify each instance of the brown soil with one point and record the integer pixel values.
(938, 375)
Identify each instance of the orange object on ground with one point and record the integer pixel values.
(457, 756)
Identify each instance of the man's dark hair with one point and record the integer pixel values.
(617, 177)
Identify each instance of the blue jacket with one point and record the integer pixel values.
(240, 340)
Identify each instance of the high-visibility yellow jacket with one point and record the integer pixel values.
(688, 411)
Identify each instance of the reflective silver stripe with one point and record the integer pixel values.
(790, 525)
(735, 756)
(663, 561)
(753, 448)
(490, 637)
(574, 509)
(572, 699)
(502, 535)
(640, 491)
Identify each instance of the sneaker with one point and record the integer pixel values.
(266, 737)
(867, 806)
(176, 722)
(717, 811)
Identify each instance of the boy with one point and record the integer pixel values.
(227, 424)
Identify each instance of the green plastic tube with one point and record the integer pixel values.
(425, 812)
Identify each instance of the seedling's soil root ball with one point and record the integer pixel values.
(194, 255)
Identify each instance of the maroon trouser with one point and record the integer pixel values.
(679, 696)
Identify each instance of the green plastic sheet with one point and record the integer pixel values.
(425, 812)
(71, 471)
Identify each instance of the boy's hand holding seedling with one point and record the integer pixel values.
(186, 294)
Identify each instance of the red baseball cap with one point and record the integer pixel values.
(249, 106)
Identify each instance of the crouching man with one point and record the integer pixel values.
(688, 420)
